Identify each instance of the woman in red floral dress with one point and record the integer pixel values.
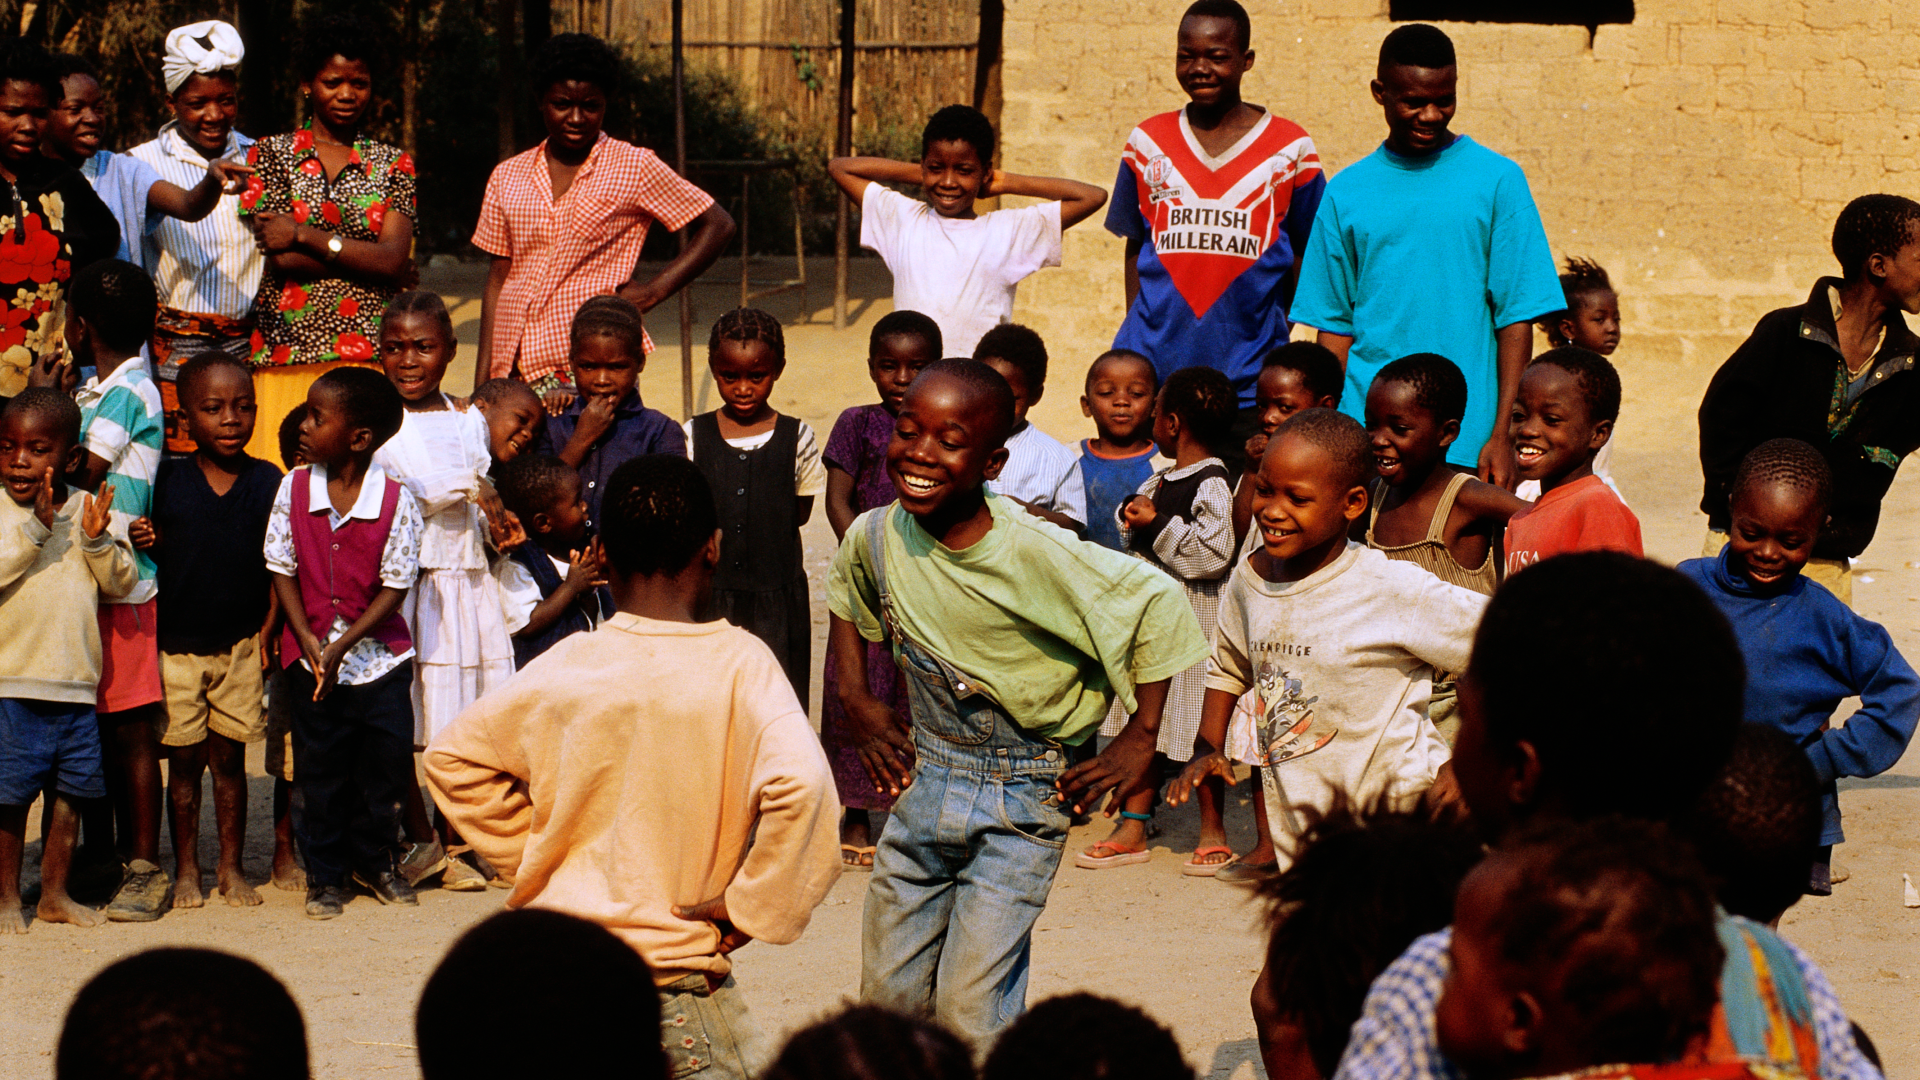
(333, 210)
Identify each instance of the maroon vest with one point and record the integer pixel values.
(339, 569)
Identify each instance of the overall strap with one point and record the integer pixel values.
(1437, 528)
(877, 549)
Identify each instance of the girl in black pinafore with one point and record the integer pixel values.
(765, 470)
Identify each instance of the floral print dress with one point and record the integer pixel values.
(335, 318)
(51, 225)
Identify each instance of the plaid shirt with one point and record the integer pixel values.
(1394, 1038)
(564, 251)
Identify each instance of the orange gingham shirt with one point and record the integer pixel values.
(584, 245)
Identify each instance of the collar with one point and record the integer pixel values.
(366, 506)
(631, 405)
(1424, 161)
(306, 146)
(593, 155)
(1818, 314)
(1738, 584)
(1565, 491)
(94, 166)
(175, 145)
(97, 387)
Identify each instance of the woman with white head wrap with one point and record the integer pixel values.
(207, 267)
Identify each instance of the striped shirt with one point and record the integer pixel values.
(567, 250)
(125, 184)
(1043, 472)
(210, 266)
(120, 421)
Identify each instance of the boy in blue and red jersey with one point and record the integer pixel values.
(1215, 202)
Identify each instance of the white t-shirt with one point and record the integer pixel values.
(1042, 471)
(960, 272)
(1342, 662)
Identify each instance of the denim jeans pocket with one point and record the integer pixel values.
(683, 1035)
(941, 705)
(1030, 805)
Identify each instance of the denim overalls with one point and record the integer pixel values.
(968, 855)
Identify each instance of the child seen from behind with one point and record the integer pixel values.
(1564, 414)
(1040, 473)
(1086, 1037)
(1121, 387)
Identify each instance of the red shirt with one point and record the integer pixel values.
(1582, 516)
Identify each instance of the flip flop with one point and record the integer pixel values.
(856, 865)
(1195, 868)
(1120, 856)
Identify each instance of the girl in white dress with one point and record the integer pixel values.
(460, 637)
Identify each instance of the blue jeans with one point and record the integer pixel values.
(966, 860)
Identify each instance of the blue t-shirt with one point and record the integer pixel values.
(1109, 481)
(123, 182)
(1428, 254)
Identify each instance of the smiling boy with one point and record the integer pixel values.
(959, 266)
(1014, 637)
(1567, 404)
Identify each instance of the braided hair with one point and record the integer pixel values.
(421, 302)
(750, 324)
(1790, 463)
(609, 316)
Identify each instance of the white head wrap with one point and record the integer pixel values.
(186, 56)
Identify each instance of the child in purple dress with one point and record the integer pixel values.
(856, 455)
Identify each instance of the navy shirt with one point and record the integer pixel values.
(636, 430)
(210, 561)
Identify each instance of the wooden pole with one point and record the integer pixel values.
(680, 165)
(843, 146)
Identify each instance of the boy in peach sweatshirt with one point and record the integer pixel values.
(621, 776)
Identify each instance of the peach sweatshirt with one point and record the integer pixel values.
(643, 765)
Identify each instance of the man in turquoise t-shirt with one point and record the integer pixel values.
(1431, 244)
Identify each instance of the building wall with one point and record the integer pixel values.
(1700, 154)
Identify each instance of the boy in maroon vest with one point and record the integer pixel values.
(343, 544)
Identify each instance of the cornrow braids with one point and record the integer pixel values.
(420, 302)
(750, 324)
(608, 316)
(1790, 463)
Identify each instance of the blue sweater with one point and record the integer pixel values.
(1805, 652)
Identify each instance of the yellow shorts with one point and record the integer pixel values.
(1835, 574)
(217, 692)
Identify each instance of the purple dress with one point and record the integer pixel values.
(858, 447)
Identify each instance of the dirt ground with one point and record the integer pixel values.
(1184, 949)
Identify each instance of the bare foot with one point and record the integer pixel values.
(186, 888)
(13, 918)
(67, 910)
(288, 877)
(236, 891)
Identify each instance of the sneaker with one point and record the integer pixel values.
(422, 862)
(461, 877)
(145, 894)
(326, 901)
(387, 887)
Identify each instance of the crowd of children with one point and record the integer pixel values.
(593, 625)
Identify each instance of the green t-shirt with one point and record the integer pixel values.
(1049, 626)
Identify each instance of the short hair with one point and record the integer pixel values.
(23, 61)
(1365, 884)
(1598, 379)
(1789, 463)
(1438, 386)
(1339, 435)
(1417, 45)
(961, 123)
(368, 399)
(495, 391)
(118, 301)
(1086, 1037)
(1617, 917)
(1583, 278)
(1224, 9)
(749, 324)
(67, 65)
(1319, 369)
(582, 998)
(987, 387)
(529, 483)
(1872, 225)
(1123, 354)
(1020, 346)
(202, 1015)
(197, 368)
(868, 1042)
(337, 33)
(50, 406)
(421, 302)
(906, 324)
(289, 436)
(1204, 401)
(575, 58)
(657, 513)
(1757, 826)
(1598, 640)
(609, 316)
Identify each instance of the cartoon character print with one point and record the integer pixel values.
(1283, 717)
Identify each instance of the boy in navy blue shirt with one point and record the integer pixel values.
(1813, 650)
(564, 561)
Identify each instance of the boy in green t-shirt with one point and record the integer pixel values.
(1014, 637)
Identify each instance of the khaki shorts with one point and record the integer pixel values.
(1835, 574)
(279, 762)
(217, 692)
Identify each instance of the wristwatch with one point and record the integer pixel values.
(333, 247)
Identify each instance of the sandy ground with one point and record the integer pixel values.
(1185, 949)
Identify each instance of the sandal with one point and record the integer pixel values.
(1120, 856)
(1195, 868)
(862, 858)
(1246, 873)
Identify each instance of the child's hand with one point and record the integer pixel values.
(327, 670)
(96, 512)
(43, 500)
(715, 911)
(587, 568)
(488, 500)
(556, 400)
(51, 369)
(142, 533)
(1138, 512)
(505, 531)
(1197, 772)
(1444, 801)
(596, 419)
(992, 184)
(883, 742)
(1256, 449)
(1121, 769)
